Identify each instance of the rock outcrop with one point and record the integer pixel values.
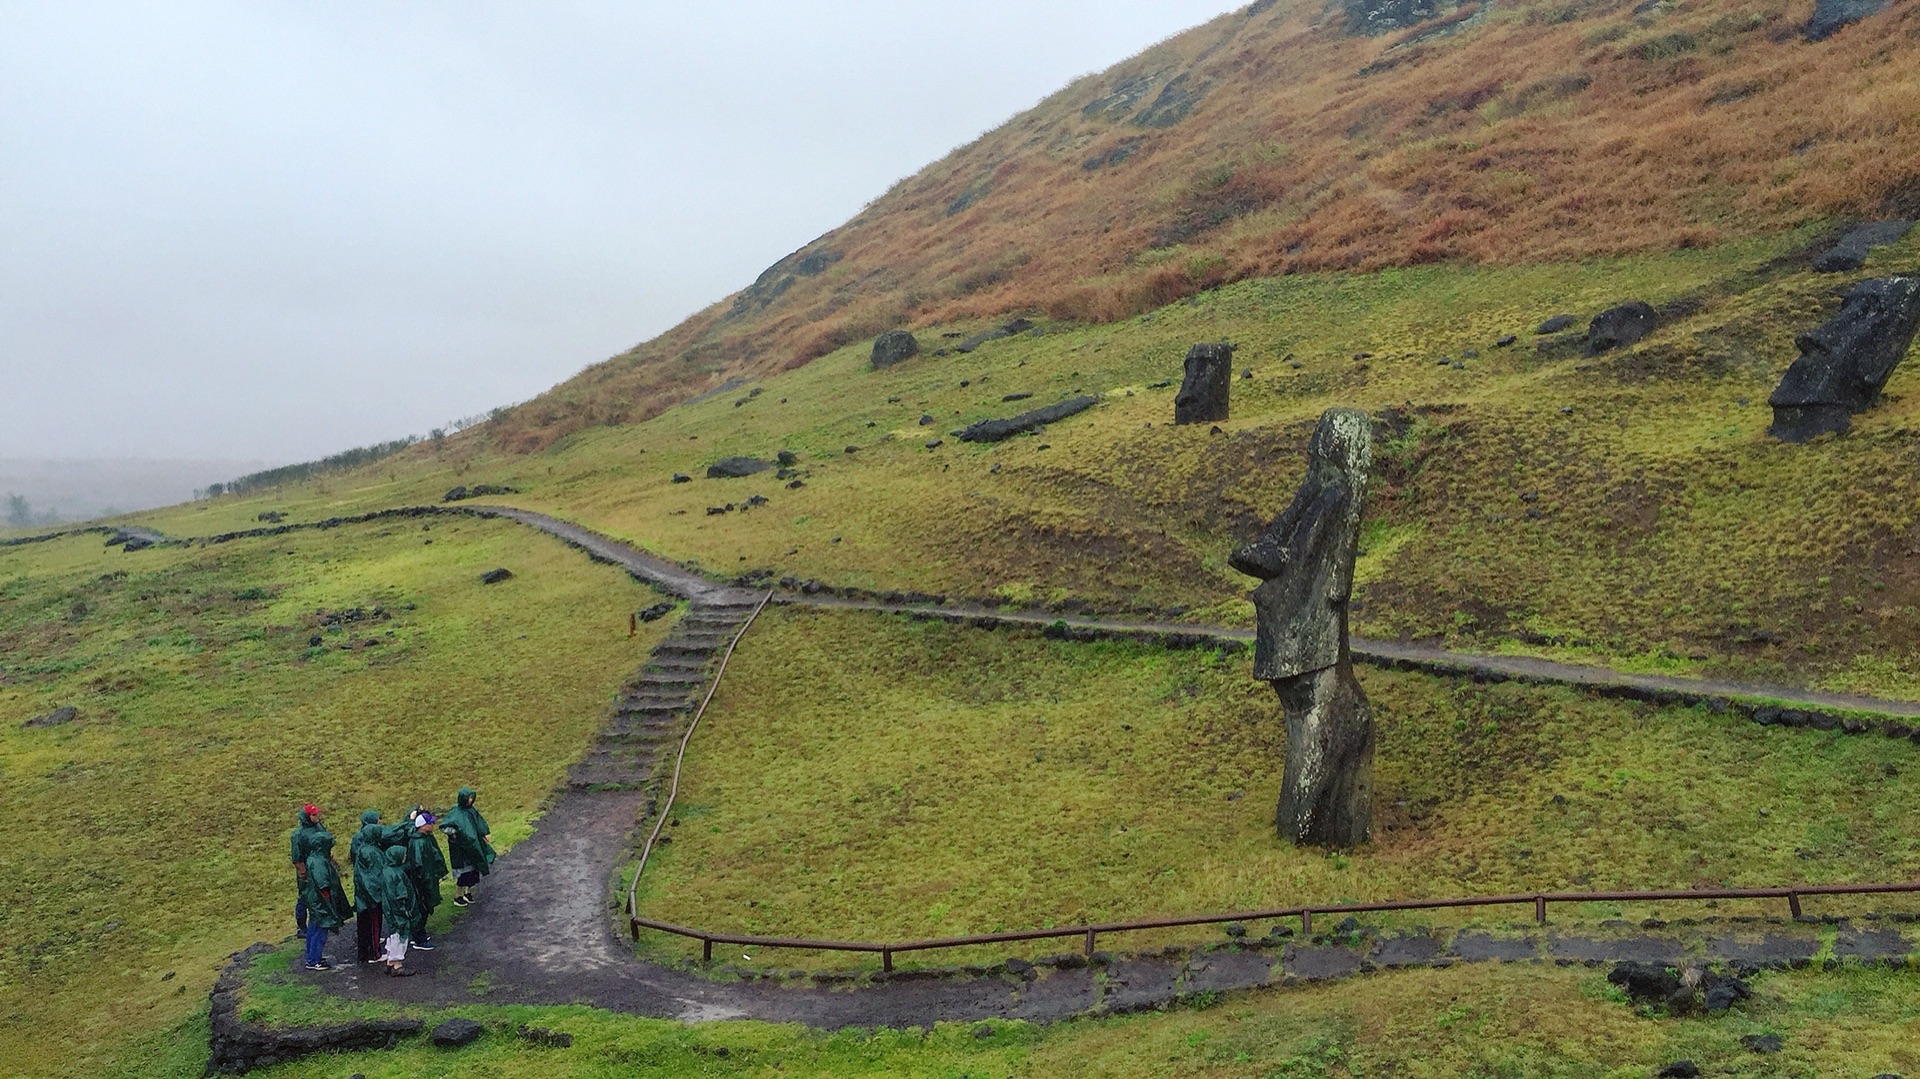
(999, 430)
(1618, 327)
(1204, 390)
(1831, 15)
(1846, 360)
(1305, 562)
(238, 1046)
(893, 347)
(733, 468)
(1852, 250)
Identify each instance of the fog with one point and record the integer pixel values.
(264, 232)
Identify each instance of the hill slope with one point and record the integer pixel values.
(1291, 136)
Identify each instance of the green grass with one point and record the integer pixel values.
(867, 777)
(147, 840)
(1491, 1021)
(1661, 526)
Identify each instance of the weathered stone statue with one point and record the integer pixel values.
(1846, 360)
(1305, 562)
(1209, 378)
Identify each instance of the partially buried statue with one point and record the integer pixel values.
(1305, 562)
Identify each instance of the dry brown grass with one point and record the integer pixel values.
(1547, 130)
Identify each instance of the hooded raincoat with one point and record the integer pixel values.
(368, 847)
(466, 829)
(326, 900)
(306, 831)
(427, 868)
(400, 909)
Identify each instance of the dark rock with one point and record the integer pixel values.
(455, 495)
(1505, 340)
(787, 458)
(728, 468)
(457, 1032)
(1236, 930)
(657, 611)
(495, 576)
(1852, 250)
(1304, 560)
(925, 419)
(1206, 385)
(1646, 983)
(1373, 17)
(272, 517)
(1679, 1069)
(1618, 327)
(1000, 430)
(682, 477)
(1553, 325)
(893, 347)
(1016, 397)
(1020, 968)
(1846, 360)
(64, 714)
(934, 443)
(796, 485)
(715, 511)
(1830, 15)
(236, 1046)
(478, 490)
(316, 641)
(1761, 1043)
(981, 338)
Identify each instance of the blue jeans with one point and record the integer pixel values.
(300, 914)
(316, 943)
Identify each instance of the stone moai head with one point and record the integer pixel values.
(1845, 361)
(1209, 378)
(1305, 557)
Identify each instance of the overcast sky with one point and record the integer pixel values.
(276, 230)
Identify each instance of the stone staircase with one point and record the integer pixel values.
(637, 745)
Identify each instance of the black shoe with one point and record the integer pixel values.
(421, 945)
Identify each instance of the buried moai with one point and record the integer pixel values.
(1305, 562)
(1204, 389)
(1845, 361)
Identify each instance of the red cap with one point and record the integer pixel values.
(310, 809)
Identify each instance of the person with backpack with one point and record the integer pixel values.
(323, 897)
(368, 851)
(399, 908)
(469, 845)
(426, 867)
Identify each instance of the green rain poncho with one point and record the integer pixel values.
(400, 909)
(368, 849)
(326, 900)
(306, 832)
(466, 829)
(427, 867)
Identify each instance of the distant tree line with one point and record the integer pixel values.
(342, 461)
(20, 513)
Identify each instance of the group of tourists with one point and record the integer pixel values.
(397, 870)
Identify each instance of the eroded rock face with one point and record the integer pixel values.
(1208, 382)
(894, 346)
(1618, 327)
(1831, 15)
(733, 468)
(1846, 360)
(1852, 250)
(1305, 562)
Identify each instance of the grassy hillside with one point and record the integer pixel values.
(1626, 508)
(866, 777)
(148, 838)
(1277, 139)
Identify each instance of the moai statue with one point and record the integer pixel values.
(1845, 361)
(1203, 392)
(1305, 562)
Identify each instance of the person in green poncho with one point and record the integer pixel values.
(324, 897)
(469, 845)
(306, 831)
(399, 908)
(369, 848)
(427, 867)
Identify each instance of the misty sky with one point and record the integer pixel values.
(276, 230)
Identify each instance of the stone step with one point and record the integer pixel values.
(693, 649)
(661, 708)
(678, 663)
(656, 679)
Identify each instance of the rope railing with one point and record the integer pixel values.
(1089, 933)
(673, 791)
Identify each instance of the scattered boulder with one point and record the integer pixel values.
(455, 495)
(1846, 360)
(272, 517)
(1505, 340)
(682, 477)
(64, 714)
(1679, 1069)
(1618, 327)
(546, 1039)
(1761, 1043)
(1553, 325)
(787, 458)
(1207, 384)
(495, 576)
(1682, 992)
(1000, 430)
(1019, 325)
(1016, 396)
(657, 611)
(1852, 250)
(894, 346)
(456, 1032)
(1830, 15)
(736, 467)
